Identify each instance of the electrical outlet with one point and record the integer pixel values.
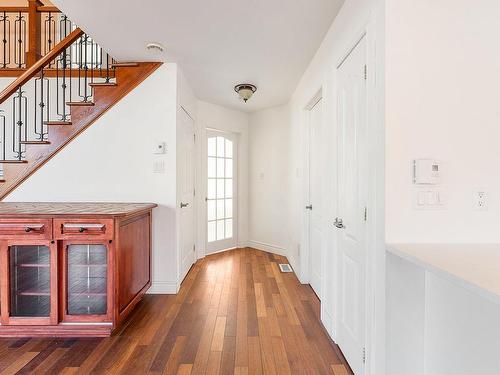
(481, 200)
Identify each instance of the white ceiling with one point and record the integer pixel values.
(217, 43)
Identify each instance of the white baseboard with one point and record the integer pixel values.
(267, 247)
(163, 287)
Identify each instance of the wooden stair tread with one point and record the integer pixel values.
(57, 122)
(80, 104)
(13, 161)
(102, 84)
(35, 142)
(125, 64)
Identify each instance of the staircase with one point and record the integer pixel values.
(57, 96)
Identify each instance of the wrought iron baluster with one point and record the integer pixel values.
(4, 19)
(42, 86)
(19, 123)
(20, 47)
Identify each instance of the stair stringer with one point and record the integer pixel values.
(105, 97)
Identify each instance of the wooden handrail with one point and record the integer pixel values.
(40, 64)
(14, 9)
(48, 8)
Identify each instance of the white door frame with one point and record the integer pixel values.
(375, 261)
(195, 205)
(235, 139)
(375, 243)
(306, 240)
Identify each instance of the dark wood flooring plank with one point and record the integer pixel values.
(235, 313)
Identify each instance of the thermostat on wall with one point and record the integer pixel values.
(426, 171)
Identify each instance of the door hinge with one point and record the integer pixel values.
(194, 248)
(366, 72)
(364, 355)
(366, 213)
(194, 192)
(194, 137)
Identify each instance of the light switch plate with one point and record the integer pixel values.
(430, 199)
(158, 166)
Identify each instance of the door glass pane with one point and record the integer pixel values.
(220, 147)
(220, 209)
(220, 167)
(220, 229)
(211, 167)
(211, 147)
(229, 208)
(87, 279)
(211, 192)
(29, 281)
(220, 188)
(229, 168)
(211, 210)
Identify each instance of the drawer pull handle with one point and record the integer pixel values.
(81, 230)
(28, 229)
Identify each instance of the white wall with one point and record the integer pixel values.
(355, 18)
(217, 117)
(268, 176)
(442, 102)
(112, 161)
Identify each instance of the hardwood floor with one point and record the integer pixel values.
(235, 314)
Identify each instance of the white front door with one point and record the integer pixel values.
(315, 204)
(221, 191)
(186, 155)
(350, 224)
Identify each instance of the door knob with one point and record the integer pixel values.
(310, 207)
(338, 223)
(184, 205)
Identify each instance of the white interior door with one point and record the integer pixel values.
(221, 191)
(186, 185)
(315, 205)
(352, 106)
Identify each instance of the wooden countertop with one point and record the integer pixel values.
(69, 209)
(475, 267)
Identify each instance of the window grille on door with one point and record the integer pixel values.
(220, 170)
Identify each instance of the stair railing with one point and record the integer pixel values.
(43, 95)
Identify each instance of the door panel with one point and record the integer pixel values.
(315, 197)
(221, 191)
(186, 193)
(352, 200)
(29, 283)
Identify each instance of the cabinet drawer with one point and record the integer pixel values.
(82, 228)
(26, 228)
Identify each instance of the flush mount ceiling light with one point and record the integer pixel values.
(155, 47)
(245, 90)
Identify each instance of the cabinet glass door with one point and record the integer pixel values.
(29, 267)
(87, 279)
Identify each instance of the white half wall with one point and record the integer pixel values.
(112, 161)
(443, 103)
(220, 118)
(268, 176)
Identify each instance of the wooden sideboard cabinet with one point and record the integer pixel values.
(72, 269)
